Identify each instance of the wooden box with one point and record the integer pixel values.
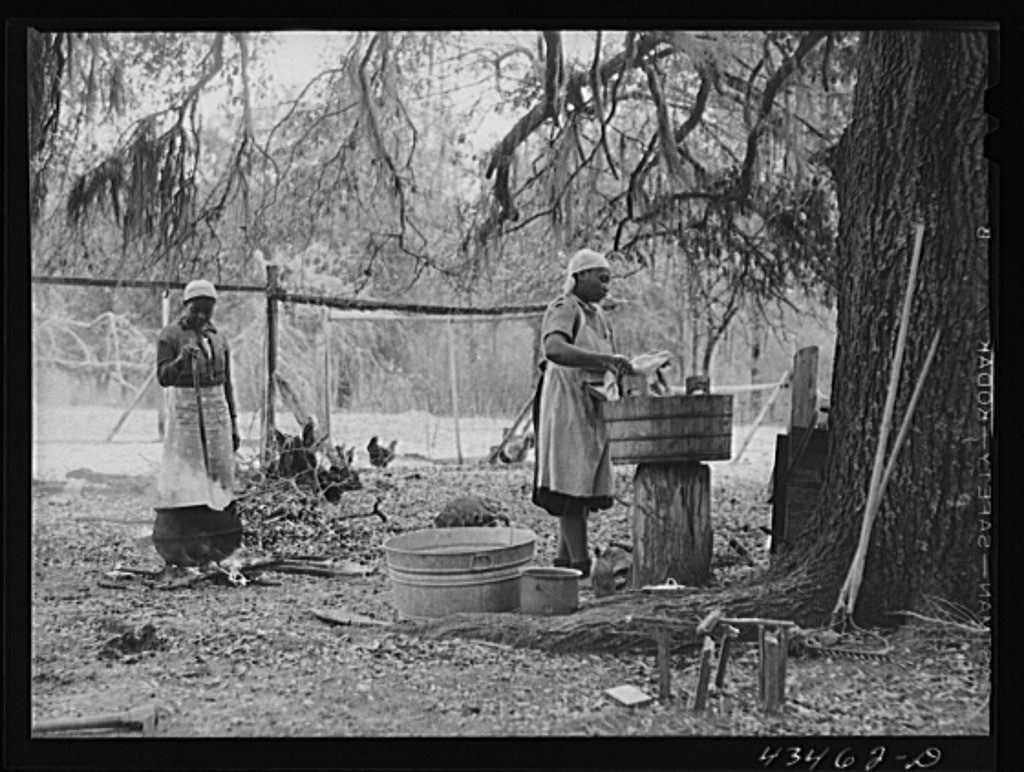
(661, 430)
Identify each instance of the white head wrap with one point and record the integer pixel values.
(199, 288)
(583, 260)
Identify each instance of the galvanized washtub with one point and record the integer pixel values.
(442, 571)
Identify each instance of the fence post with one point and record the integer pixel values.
(270, 396)
(165, 395)
(328, 393)
(453, 377)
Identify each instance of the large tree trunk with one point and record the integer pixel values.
(914, 152)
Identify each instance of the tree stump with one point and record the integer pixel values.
(672, 523)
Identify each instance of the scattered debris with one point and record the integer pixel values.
(346, 618)
(629, 695)
(132, 642)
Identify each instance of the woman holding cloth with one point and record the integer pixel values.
(573, 472)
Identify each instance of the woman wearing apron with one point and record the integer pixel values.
(573, 472)
(190, 344)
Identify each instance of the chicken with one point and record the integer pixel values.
(516, 449)
(469, 512)
(380, 456)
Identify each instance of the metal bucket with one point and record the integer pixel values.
(194, 536)
(549, 591)
(442, 571)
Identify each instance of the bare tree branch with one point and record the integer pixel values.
(807, 42)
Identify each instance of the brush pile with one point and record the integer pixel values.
(295, 504)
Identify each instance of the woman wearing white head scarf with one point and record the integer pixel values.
(192, 352)
(573, 474)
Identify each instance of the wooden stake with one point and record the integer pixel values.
(781, 674)
(453, 377)
(760, 663)
(848, 593)
(760, 416)
(663, 638)
(707, 652)
(723, 658)
(770, 670)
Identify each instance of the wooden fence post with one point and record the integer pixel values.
(704, 674)
(270, 396)
(328, 393)
(453, 377)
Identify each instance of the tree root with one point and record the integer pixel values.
(626, 622)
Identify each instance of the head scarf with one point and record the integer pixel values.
(583, 260)
(199, 288)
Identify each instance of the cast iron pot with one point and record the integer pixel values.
(195, 536)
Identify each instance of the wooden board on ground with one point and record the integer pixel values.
(629, 696)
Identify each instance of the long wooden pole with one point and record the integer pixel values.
(328, 393)
(848, 592)
(115, 346)
(453, 377)
(901, 435)
(760, 416)
(270, 395)
(138, 398)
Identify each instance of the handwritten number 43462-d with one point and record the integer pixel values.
(794, 756)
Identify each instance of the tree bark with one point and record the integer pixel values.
(913, 153)
(672, 523)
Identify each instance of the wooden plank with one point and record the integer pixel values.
(804, 392)
(663, 407)
(674, 426)
(704, 675)
(629, 695)
(669, 449)
(779, 499)
(723, 660)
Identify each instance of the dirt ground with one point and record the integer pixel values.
(253, 661)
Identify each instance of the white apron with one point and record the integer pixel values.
(182, 481)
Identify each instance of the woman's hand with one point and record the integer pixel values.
(619, 365)
(188, 351)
